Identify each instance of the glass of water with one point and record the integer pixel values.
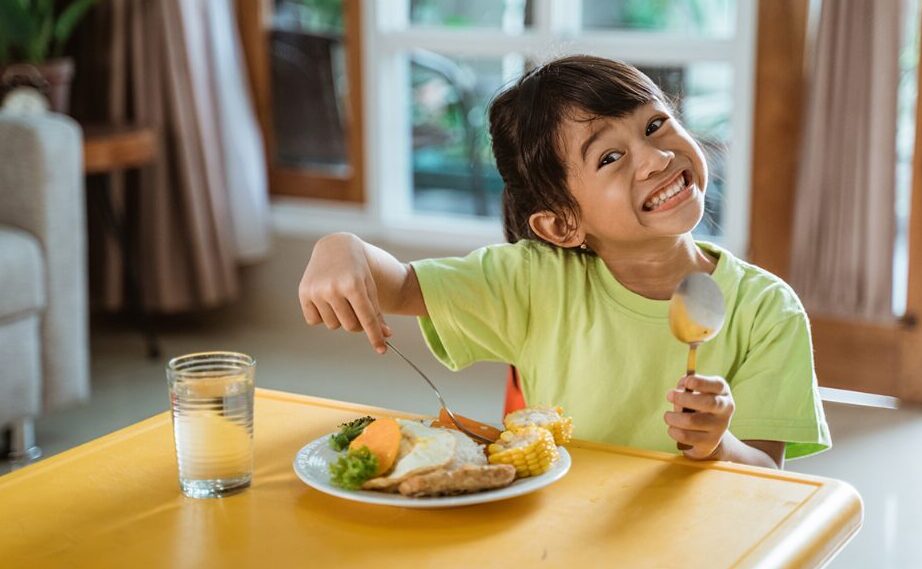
(211, 396)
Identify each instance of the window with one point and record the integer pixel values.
(436, 64)
(308, 71)
(905, 140)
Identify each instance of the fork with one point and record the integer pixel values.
(451, 415)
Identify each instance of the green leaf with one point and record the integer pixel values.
(44, 8)
(353, 469)
(16, 24)
(348, 432)
(68, 20)
(37, 49)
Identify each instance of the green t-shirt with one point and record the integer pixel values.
(581, 340)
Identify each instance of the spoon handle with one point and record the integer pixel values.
(692, 360)
(689, 371)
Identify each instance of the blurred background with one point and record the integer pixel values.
(168, 165)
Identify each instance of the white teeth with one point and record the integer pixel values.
(666, 193)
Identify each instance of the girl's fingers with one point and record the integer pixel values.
(702, 384)
(703, 402)
(311, 315)
(346, 315)
(372, 295)
(328, 316)
(693, 438)
(692, 421)
(370, 321)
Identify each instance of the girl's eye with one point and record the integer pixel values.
(654, 125)
(610, 157)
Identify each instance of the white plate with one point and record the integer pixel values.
(312, 465)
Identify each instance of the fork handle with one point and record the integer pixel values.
(438, 394)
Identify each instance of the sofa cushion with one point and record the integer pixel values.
(22, 275)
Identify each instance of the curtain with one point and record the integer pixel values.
(202, 208)
(844, 221)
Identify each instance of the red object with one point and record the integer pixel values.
(514, 398)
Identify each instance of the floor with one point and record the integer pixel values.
(876, 450)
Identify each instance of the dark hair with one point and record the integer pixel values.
(525, 124)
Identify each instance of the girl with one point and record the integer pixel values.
(603, 187)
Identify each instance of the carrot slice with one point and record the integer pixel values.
(482, 429)
(382, 437)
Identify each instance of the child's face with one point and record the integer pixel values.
(635, 178)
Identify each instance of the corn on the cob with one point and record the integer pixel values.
(531, 450)
(551, 418)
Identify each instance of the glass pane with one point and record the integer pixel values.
(323, 16)
(453, 167)
(508, 15)
(710, 18)
(703, 97)
(905, 141)
(309, 84)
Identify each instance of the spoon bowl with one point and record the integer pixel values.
(696, 310)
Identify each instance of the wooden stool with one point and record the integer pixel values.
(107, 150)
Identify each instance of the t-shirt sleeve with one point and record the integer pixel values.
(776, 393)
(477, 305)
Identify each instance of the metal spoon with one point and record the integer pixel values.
(451, 415)
(696, 314)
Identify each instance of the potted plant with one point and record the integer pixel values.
(33, 34)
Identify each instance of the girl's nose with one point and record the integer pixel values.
(652, 161)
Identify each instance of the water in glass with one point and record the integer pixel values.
(211, 397)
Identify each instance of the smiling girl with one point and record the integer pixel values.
(603, 188)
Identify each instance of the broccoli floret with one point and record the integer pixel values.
(353, 468)
(347, 432)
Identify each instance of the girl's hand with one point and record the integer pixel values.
(338, 289)
(704, 429)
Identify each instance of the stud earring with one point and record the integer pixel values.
(583, 246)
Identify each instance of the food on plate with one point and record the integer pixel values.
(422, 449)
(464, 480)
(418, 459)
(550, 418)
(382, 438)
(531, 450)
(486, 431)
(347, 432)
(352, 469)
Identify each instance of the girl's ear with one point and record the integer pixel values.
(555, 229)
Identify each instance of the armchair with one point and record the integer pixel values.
(43, 298)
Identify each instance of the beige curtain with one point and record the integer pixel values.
(157, 65)
(842, 258)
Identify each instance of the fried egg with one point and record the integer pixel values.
(422, 449)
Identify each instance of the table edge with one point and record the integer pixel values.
(817, 541)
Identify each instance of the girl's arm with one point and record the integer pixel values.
(769, 454)
(351, 284)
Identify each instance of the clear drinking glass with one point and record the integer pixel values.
(211, 395)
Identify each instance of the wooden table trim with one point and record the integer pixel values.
(107, 151)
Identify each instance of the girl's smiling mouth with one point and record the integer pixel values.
(677, 191)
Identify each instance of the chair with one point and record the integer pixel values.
(515, 399)
(43, 298)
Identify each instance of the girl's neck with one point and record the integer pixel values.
(653, 269)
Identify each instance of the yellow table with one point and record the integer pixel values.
(114, 502)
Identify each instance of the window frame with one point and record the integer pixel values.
(388, 37)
